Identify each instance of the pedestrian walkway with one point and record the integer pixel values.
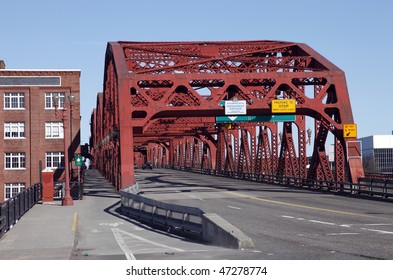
(94, 229)
(49, 231)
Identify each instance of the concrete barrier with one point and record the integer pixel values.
(220, 232)
(184, 220)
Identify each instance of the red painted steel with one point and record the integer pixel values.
(160, 101)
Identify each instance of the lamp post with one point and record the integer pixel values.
(67, 199)
(309, 133)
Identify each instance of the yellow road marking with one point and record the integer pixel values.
(302, 206)
(75, 222)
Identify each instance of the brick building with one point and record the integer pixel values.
(32, 135)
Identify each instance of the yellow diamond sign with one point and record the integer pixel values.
(350, 131)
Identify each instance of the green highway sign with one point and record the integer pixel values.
(78, 160)
(271, 118)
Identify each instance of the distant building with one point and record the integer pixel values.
(377, 153)
(31, 135)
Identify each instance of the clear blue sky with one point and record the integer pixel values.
(355, 35)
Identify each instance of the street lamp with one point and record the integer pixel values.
(67, 199)
(309, 133)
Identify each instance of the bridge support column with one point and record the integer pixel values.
(127, 177)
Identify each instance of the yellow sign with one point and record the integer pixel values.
(228, 126)
(350, 131)
(284, 106)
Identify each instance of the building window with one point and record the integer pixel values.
(383, 160)
(55, 160)
(15, 160)
(54, 130)
(13, 189)
(14, 101)
(49, 101)
(14, 130)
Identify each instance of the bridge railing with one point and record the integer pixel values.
(14, 208)
(169, 216)
(365, 186)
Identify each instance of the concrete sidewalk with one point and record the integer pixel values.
(46, 231)
(49, 231)
(94, 229)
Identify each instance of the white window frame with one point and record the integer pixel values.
(16, 158)
(54, 160)
(12, 189)
(49, 102)
(14, 130)
(14, 101)
(54, 130)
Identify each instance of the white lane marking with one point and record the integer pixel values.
(111, 224)
(195, 197)
(347, 226)
(311, 221)
(123, 246)
(321, 222)
(233, 207)
(149, 241)
(343, 233)
(378, 224)
(288, 217)
(379, 231)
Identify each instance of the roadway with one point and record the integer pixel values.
(283, 223)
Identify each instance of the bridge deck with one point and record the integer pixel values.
(284, 223)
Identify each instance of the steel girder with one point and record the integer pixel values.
(161, 100)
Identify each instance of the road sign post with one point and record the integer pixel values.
(79, 162)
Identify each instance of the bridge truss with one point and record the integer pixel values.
(161, 99)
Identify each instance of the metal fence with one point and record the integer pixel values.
(76, 190)
(371, 187)
(182, 219)
(15, 207)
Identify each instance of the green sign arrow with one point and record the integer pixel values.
(78, 160)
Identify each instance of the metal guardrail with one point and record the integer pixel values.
(15, 207)
(365, 186)
(386, 176)
(182, 219)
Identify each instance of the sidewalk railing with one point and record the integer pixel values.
(76, 190)
(14, 208)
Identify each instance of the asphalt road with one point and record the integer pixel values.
(283, 223)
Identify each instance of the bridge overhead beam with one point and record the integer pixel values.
(172, 92)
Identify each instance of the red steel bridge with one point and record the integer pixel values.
(165, 102)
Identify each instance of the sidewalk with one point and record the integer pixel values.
(48, 231)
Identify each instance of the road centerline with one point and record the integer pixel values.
(301, 206)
